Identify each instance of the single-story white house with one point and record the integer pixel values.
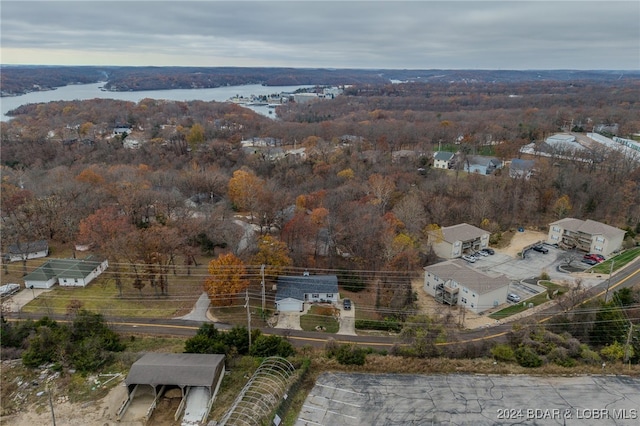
(28, 250)
(292, 292)
(455, 283)
(65, 272)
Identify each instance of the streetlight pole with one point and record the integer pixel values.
(606, 294)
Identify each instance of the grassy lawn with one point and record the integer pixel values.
(535, 300)
(102, 296)
(320, 316)
(618, 261)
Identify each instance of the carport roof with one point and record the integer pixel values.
(175, 369)
(471, 278)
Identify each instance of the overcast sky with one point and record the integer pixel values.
(425, 34)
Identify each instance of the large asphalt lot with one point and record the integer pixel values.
(386, 399)
(533, 264)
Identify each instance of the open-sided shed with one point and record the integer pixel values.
(184, 371)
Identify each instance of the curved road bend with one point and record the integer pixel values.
(627, 277)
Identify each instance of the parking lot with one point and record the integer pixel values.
(399, 399)
(524, 271)
(529, 266)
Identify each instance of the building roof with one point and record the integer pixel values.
(481, 160)
(461, 232)
(175, 369)
(297, 287)
(63, 268)
(560, 138)
(443, 155)
(28, 247)
(523, 165)
(471, 278)
(590, 227)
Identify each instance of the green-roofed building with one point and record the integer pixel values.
(65, 272)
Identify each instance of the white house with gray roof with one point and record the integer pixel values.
(293, 292)
(27, 250)
(65, 272)
(585, 235)
(453, 282)
(450, 242)
(443, 159)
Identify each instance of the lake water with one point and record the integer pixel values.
(92, 91)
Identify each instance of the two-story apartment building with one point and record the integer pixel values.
(453, 282)
(450, 242)
(585, 235)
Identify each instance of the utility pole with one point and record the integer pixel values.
(53, 416)
(246, 305)
(628, 345)
(263, 295)
(606, 294)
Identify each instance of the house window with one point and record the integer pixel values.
(315, 295)
(329, 295)
(472, 305)
(556, 229)
(473, 295)
(555, 237)
(75, 280)
(463, 300)
(457, 244)
(465, 290)
(600, 239)
(598, 248)
(64, 280)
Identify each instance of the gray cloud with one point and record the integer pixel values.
(359, 34)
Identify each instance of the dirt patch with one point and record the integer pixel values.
(38, 411)
(520, 240)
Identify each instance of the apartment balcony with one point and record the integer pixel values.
(447, 295)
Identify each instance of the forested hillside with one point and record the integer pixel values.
(360, 196)
(16, 79)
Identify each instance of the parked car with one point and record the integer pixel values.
(512, 297)
(540, 249)
(597, 257)
(589, 261)
(346, 304)
(481, 253)
(488, 251)
(469, 258)
(9, 289)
